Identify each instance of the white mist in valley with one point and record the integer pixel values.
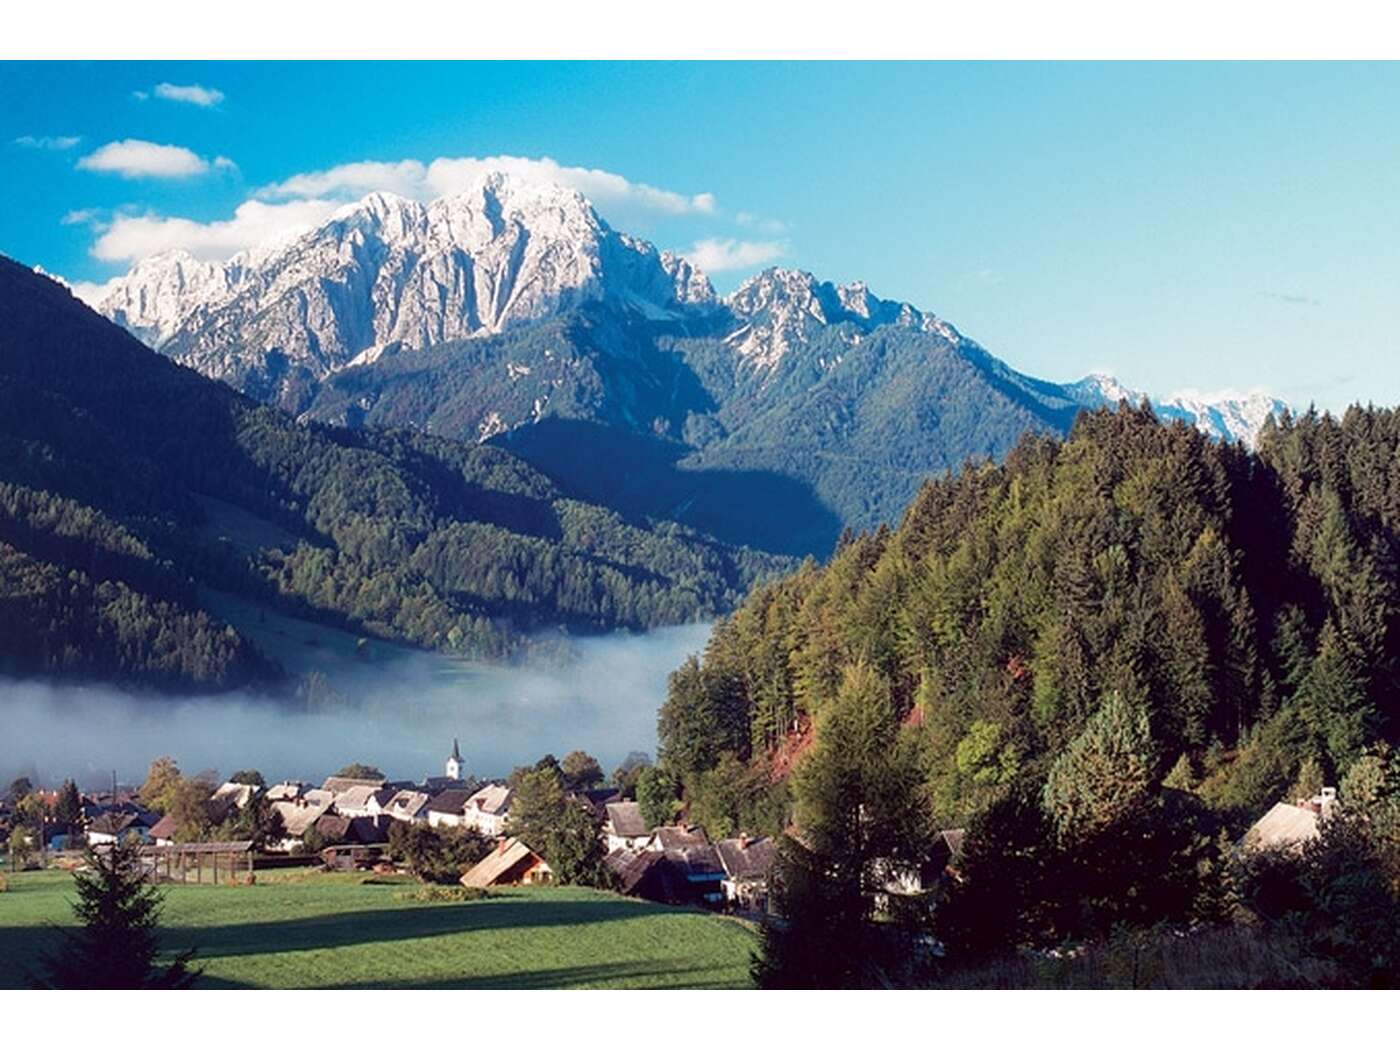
(400, 716)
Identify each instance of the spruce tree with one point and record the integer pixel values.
(117, 942)
(1105, 773)
(861, 813)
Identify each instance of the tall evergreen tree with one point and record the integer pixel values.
(861, 814)
(117, 944)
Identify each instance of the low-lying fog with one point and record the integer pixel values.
(400, 716)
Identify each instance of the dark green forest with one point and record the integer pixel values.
(1245, 602)
(665, 419)
(1105, 656)
(111, 456)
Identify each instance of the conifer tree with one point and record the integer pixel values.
(117, 943)
(1105, 773)
(861, 813)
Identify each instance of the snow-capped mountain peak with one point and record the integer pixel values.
(1227, 416)
(780, 309)
(387, 269)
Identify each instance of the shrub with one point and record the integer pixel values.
(433, 894)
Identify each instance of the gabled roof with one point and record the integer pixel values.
(953, 839)
(625, 820)
(299, 815)
(672, 836)
(452, 801)
(286, 791)
(1283, 827)
(746, 858)
(356, 797)
(631, 866)
(382, 797)
(336, 785)
(238, 795)
(492, 799)
(165, 827)
(407, 803)
(499, 863)
(114, 823)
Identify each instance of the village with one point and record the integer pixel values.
(348, 823)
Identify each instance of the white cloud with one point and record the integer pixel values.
(80, 217)
(769, 226)
(610, 192)
(133, 237)
(54, 142)
(89, 291)
(133, 158)
(717, 254)
(195, 94)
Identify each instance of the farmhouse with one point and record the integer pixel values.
(689, 853)
(407, 805)
(114, 825)
(363, 831)
(357, 801)
(511, 863)
(488, 809)
(1290, 826)
(448, 808)
(624, 826)
(746, 864)
(163, 834)
(337, 785)
(299, 814)
(645, 873)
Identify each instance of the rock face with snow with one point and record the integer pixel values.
(390, 271)
(513, 313)
(1226, 418)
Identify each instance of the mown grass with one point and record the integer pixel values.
(336, 931)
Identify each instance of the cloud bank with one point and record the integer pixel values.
(132, 237)
(607, 190)
(717, 254)
(401, 717)
(137, 158)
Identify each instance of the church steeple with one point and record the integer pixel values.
(454, 761)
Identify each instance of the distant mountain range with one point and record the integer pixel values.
(514, 314)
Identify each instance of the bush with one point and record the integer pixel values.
(442, 894)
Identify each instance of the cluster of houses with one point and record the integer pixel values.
(346, 820)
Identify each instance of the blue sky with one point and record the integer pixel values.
(1179, 225)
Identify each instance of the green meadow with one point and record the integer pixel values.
(318, 930)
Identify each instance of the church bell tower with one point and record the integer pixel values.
(454, 762)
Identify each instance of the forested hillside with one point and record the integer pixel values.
(111, 458)
(1243, 604)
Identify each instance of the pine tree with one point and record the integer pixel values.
(861, 811)
(1105, 773)
(117, 944)
(68, 809)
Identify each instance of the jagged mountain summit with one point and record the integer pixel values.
(1226, 418)
(387, 271)
(513, 313)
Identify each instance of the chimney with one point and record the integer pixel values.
(1326, 800)
(743, 842)
(501, 846)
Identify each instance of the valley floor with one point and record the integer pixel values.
(315, 930)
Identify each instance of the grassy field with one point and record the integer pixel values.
(334, 931)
